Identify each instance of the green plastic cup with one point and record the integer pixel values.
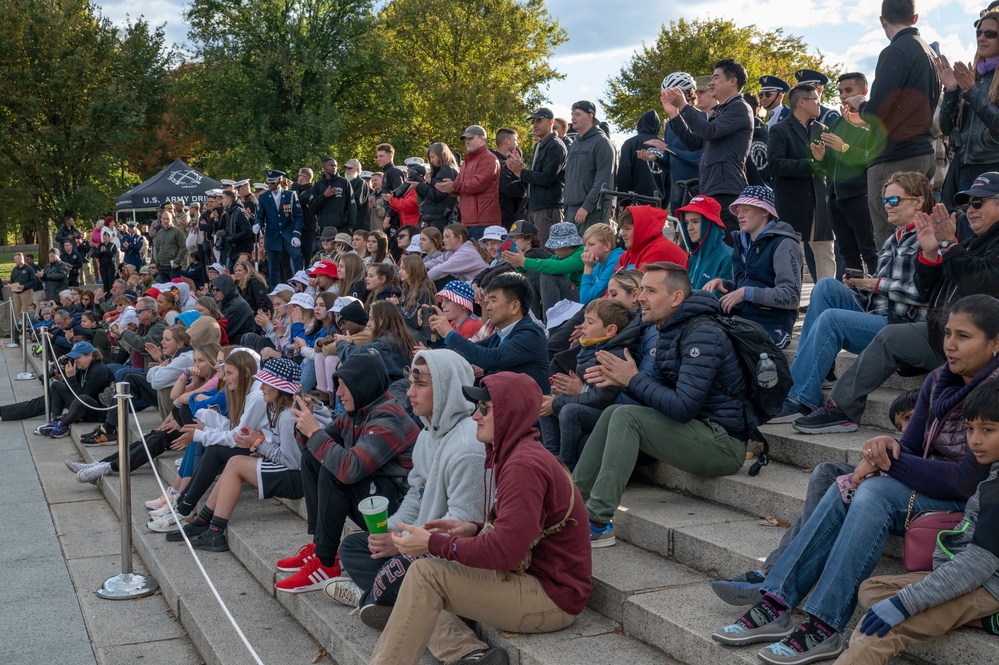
(375, 511)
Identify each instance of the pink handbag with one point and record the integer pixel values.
(922, 529)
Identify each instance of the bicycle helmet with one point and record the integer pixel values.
(681, 80)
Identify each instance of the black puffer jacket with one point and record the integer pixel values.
(436, 207)
(685, 384)
(236, 310)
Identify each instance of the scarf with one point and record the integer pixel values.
(986, 66)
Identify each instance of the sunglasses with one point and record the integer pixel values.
(896, 201)
(483, 407)
(977, 203)
(414, 375)
(988, 34)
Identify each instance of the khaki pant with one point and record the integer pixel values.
(824, 252)
(434, 591)
(21, 302)
(933, 622)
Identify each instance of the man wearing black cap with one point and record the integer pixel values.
(725, 137)
(279, 215)
(772, 90)
(591, 164)
(333, 201)
(546, 177)
(904, 97)
(818, 80)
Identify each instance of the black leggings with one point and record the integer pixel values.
(212, 464)
(82, 409)
(158, 442)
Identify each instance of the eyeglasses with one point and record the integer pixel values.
(768, 93)
(414, 375)
(140, 311)
(483, 407)
(896, 201)
(811, 99)
(988, 34)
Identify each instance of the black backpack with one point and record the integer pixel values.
(760, 404)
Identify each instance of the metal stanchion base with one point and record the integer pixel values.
(24, 376)
(12, 345)
(126, 586)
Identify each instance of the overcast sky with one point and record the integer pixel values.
(603, 36)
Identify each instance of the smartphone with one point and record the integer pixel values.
(428, 332)
(508, 245)
(853, 273)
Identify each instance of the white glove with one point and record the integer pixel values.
(256, 229)
(295, 242)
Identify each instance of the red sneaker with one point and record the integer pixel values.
(294, 563)
(311, 577)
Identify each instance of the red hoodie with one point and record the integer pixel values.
(648, 244)
(532, 494)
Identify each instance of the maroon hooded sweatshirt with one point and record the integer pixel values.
(532, 493)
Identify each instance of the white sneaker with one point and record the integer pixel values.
(167, 524)
(91, 472)
(161, 500)
(76, 467)
(343, 591)
(165, 510)
(177, 462)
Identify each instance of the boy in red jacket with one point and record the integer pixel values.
(536, 511)
(644, 242)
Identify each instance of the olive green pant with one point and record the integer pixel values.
(699, 447)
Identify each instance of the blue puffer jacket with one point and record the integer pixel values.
(684, 385)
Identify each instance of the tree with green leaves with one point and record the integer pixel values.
(694, 47)
(79, 97)
(275, 83)
(466, 62)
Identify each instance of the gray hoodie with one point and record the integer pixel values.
(966, 557)
(447, 480)
(591, 163)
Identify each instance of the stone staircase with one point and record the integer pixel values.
(651, 602)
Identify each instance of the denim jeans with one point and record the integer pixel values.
(308, 367)
(839, 546)
(834, 321)
(565, 433)
(822, 476)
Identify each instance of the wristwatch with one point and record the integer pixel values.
(846, 146)
(944, 244)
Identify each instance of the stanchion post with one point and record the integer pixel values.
(126, 585)
(43, 335)
(25, 375)
(13, 331)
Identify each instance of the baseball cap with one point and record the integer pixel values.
(79, 349)
(474, 130)
(542, 113)
(984, 186)
(585, 106)
(493, 233)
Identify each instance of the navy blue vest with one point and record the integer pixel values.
(758, 270)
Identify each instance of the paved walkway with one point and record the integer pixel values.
(59, 541)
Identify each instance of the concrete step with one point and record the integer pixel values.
(263, 531)
(274, 633)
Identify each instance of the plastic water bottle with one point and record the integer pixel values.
(766, 372)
